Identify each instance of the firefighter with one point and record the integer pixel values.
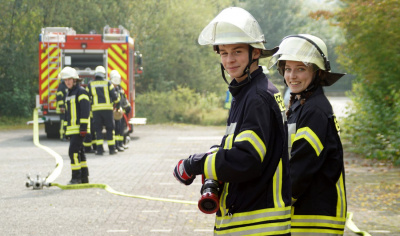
(119, 110)
(77, 107)
(316, 153)
(60, 109)
(251, 161)
(102, 95)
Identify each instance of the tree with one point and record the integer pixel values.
(372, 51)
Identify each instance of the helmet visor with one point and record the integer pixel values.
(297, 49)
(232, 25)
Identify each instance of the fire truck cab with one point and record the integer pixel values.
(62, 46)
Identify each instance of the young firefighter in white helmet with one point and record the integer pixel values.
(251, 163)
(120, 108)
(77, 123)
(316, 153)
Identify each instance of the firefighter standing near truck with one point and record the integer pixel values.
(119, 110)
(103, 96)
(77, 123)
(252, 160)
(60, 109)
(316, 153)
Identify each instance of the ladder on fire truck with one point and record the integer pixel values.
(53, 37)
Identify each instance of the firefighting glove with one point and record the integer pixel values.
(181, 175)
(83, 133)
(186, 170)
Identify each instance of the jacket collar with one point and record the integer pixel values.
(235, 87)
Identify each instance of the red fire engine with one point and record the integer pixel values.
(61, 46)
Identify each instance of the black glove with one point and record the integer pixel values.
(186, 170)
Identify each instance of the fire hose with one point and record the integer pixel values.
(38, 183)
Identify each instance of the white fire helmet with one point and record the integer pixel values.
(234, 25)
(115, 77)
(100, 71)
(308, 49)
(67, 73)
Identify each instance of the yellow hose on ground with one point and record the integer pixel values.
(350, 225)
(59, 165)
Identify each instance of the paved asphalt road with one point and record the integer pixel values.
(144, 169)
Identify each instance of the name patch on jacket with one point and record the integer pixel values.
(279, 100)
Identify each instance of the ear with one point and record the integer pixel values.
(256, 53)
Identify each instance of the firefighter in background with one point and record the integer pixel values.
(102, 95)
(60, 109)
(252, 159)
(77, 109)
(122, 107)
(316, 153)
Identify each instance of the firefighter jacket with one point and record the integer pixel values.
(316, 167)
(77, 110)
(253, 162)
(61, 92)
(102, 94)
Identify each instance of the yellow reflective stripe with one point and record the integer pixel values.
(222, 200)
(111, 142)
(84, 164)
(95, 98)
(76, 165)
(99, 142)
(72, 130)
(228, 142)
(60, 93)
(107, 95)
(84, 121)
(317, 222)
(209, 167)
(311, 138)
(341, 198)
(73, 111)
(85, 144)
(254, 217)
(83, 96)
(251, 137)
(102, 107)
(281, 228)
(277, 186)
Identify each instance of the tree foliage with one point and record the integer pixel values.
(372, 51)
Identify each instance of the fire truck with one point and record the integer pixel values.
(62, 46)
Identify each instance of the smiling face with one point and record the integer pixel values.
(235, 57)
(298, 76)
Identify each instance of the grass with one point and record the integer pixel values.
(12, 123)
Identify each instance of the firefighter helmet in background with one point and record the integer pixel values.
(100, 71)
(115, 77)
(307, 49)
(67, 73)
(234, 25)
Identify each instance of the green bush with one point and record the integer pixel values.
(373, 124)
(182, 105)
